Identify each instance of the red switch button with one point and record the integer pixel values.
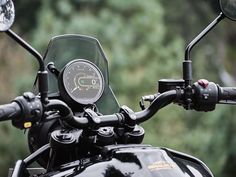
(203, 82)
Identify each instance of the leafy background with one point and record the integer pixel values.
(145, 42)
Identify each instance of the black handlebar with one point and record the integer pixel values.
(121, 119)
(161, 101)
(98, 121)
(205, 97)
(28, 108)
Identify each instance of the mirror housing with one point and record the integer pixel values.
(7, 14)
(228, 8)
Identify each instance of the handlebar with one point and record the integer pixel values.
(29, 108)
(205, 97)
(122, 118)
(161, 101)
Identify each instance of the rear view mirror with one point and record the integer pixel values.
(228, 7)
(7, 14)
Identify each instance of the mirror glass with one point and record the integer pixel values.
(7, 14)
(228, 7)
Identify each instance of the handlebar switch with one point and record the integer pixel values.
(29, 96)
(32, 110)
(205, 95)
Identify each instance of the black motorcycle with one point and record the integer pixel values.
(75, 124)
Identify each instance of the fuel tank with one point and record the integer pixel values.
(135, 161)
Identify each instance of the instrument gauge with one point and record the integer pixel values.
(83, 81)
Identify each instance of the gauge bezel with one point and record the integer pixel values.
(65, 92)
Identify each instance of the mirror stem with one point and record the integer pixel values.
(187, 65)
(28, 47)
(42, 73)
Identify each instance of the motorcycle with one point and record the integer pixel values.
(75, 124)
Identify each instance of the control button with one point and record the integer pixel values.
(27, 125)
(203, 82)
(29, 96)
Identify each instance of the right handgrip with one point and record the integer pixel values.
(9, 111)
(227, 93)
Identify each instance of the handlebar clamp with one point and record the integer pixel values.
(93, 118)
(130, 117)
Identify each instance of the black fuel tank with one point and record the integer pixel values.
(136, 161)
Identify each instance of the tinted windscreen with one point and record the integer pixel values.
(63, 49)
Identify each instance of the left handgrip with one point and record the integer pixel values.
(9, 111)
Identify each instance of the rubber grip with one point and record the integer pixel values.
(227, 93)
(9, 111)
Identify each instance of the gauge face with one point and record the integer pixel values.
(83, 81)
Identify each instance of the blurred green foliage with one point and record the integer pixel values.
(144, 42)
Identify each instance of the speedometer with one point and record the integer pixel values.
(82, 81)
